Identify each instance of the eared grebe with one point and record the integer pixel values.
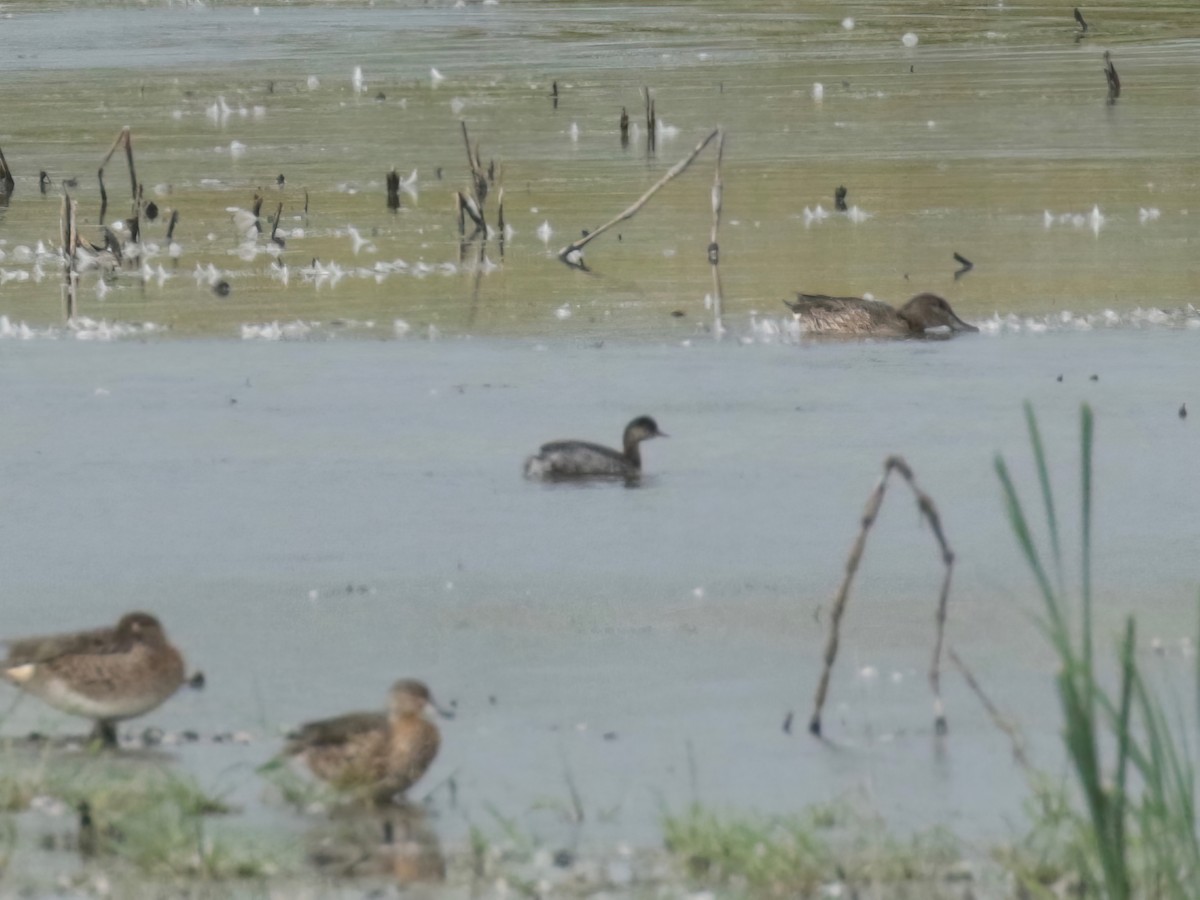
(580, 459)
(375, 754)
(821, 314)
(107, 674)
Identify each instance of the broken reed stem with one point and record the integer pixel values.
(500, 213)
(124, 139)
(478, 176)
(998, 719)
(871, 511)
(576, 246)
(275, 224)
(718, 190)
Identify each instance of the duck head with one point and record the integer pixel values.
(926, 311)
(410, 697)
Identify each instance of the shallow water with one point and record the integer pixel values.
(962, 144)
(312, 521)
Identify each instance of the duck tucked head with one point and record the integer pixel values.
(926, 311)
(141, 627)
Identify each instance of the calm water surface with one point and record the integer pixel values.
(315, 519)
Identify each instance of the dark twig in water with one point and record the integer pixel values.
(651, 120)
(393, 190)
(839, 199)
(1114, 80)
(554, 94)
(500, 218)
(998, 719)
(966, 264)
(929, 512)
(570, 254)
(171, 223)
(6, 177)
(1082, 24)
(624, 127)
(275, 239)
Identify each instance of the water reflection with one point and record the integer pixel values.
(399, 843)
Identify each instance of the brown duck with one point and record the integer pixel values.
(106, 674)
(821, 314)
(376, 754)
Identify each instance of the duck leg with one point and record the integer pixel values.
(104, 734)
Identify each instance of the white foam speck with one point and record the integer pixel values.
(910, 39)
(818, 92)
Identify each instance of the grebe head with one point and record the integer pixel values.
(926, 311)
(641, 429)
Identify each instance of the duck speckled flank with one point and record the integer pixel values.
(925, 315)
(106, 674)
(377, 754)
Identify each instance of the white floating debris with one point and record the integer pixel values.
(409, 184)
(856, 215)
(563, 312)
(358, 241)
(665, 131)
(237, 149)
(1147, 215)
(219, 112)
(313, 82)
(815, 215)
(573, 131)
(357, 80)
(910, 39)
(544, 232)
(436, 77)
(818, 91)
(457, 105)
(848, 23)
(1096, 220)
(400, 328)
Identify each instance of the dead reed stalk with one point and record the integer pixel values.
(651, 120)
(998, 719)
(929, 512)
(570, 254)
(124, 139)
(6, 177)
(393, 190)
(714, 251)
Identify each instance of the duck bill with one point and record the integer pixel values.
(661, 434)
(441, 710)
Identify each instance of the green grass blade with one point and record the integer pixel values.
(1039, 456)
(1087, 429)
